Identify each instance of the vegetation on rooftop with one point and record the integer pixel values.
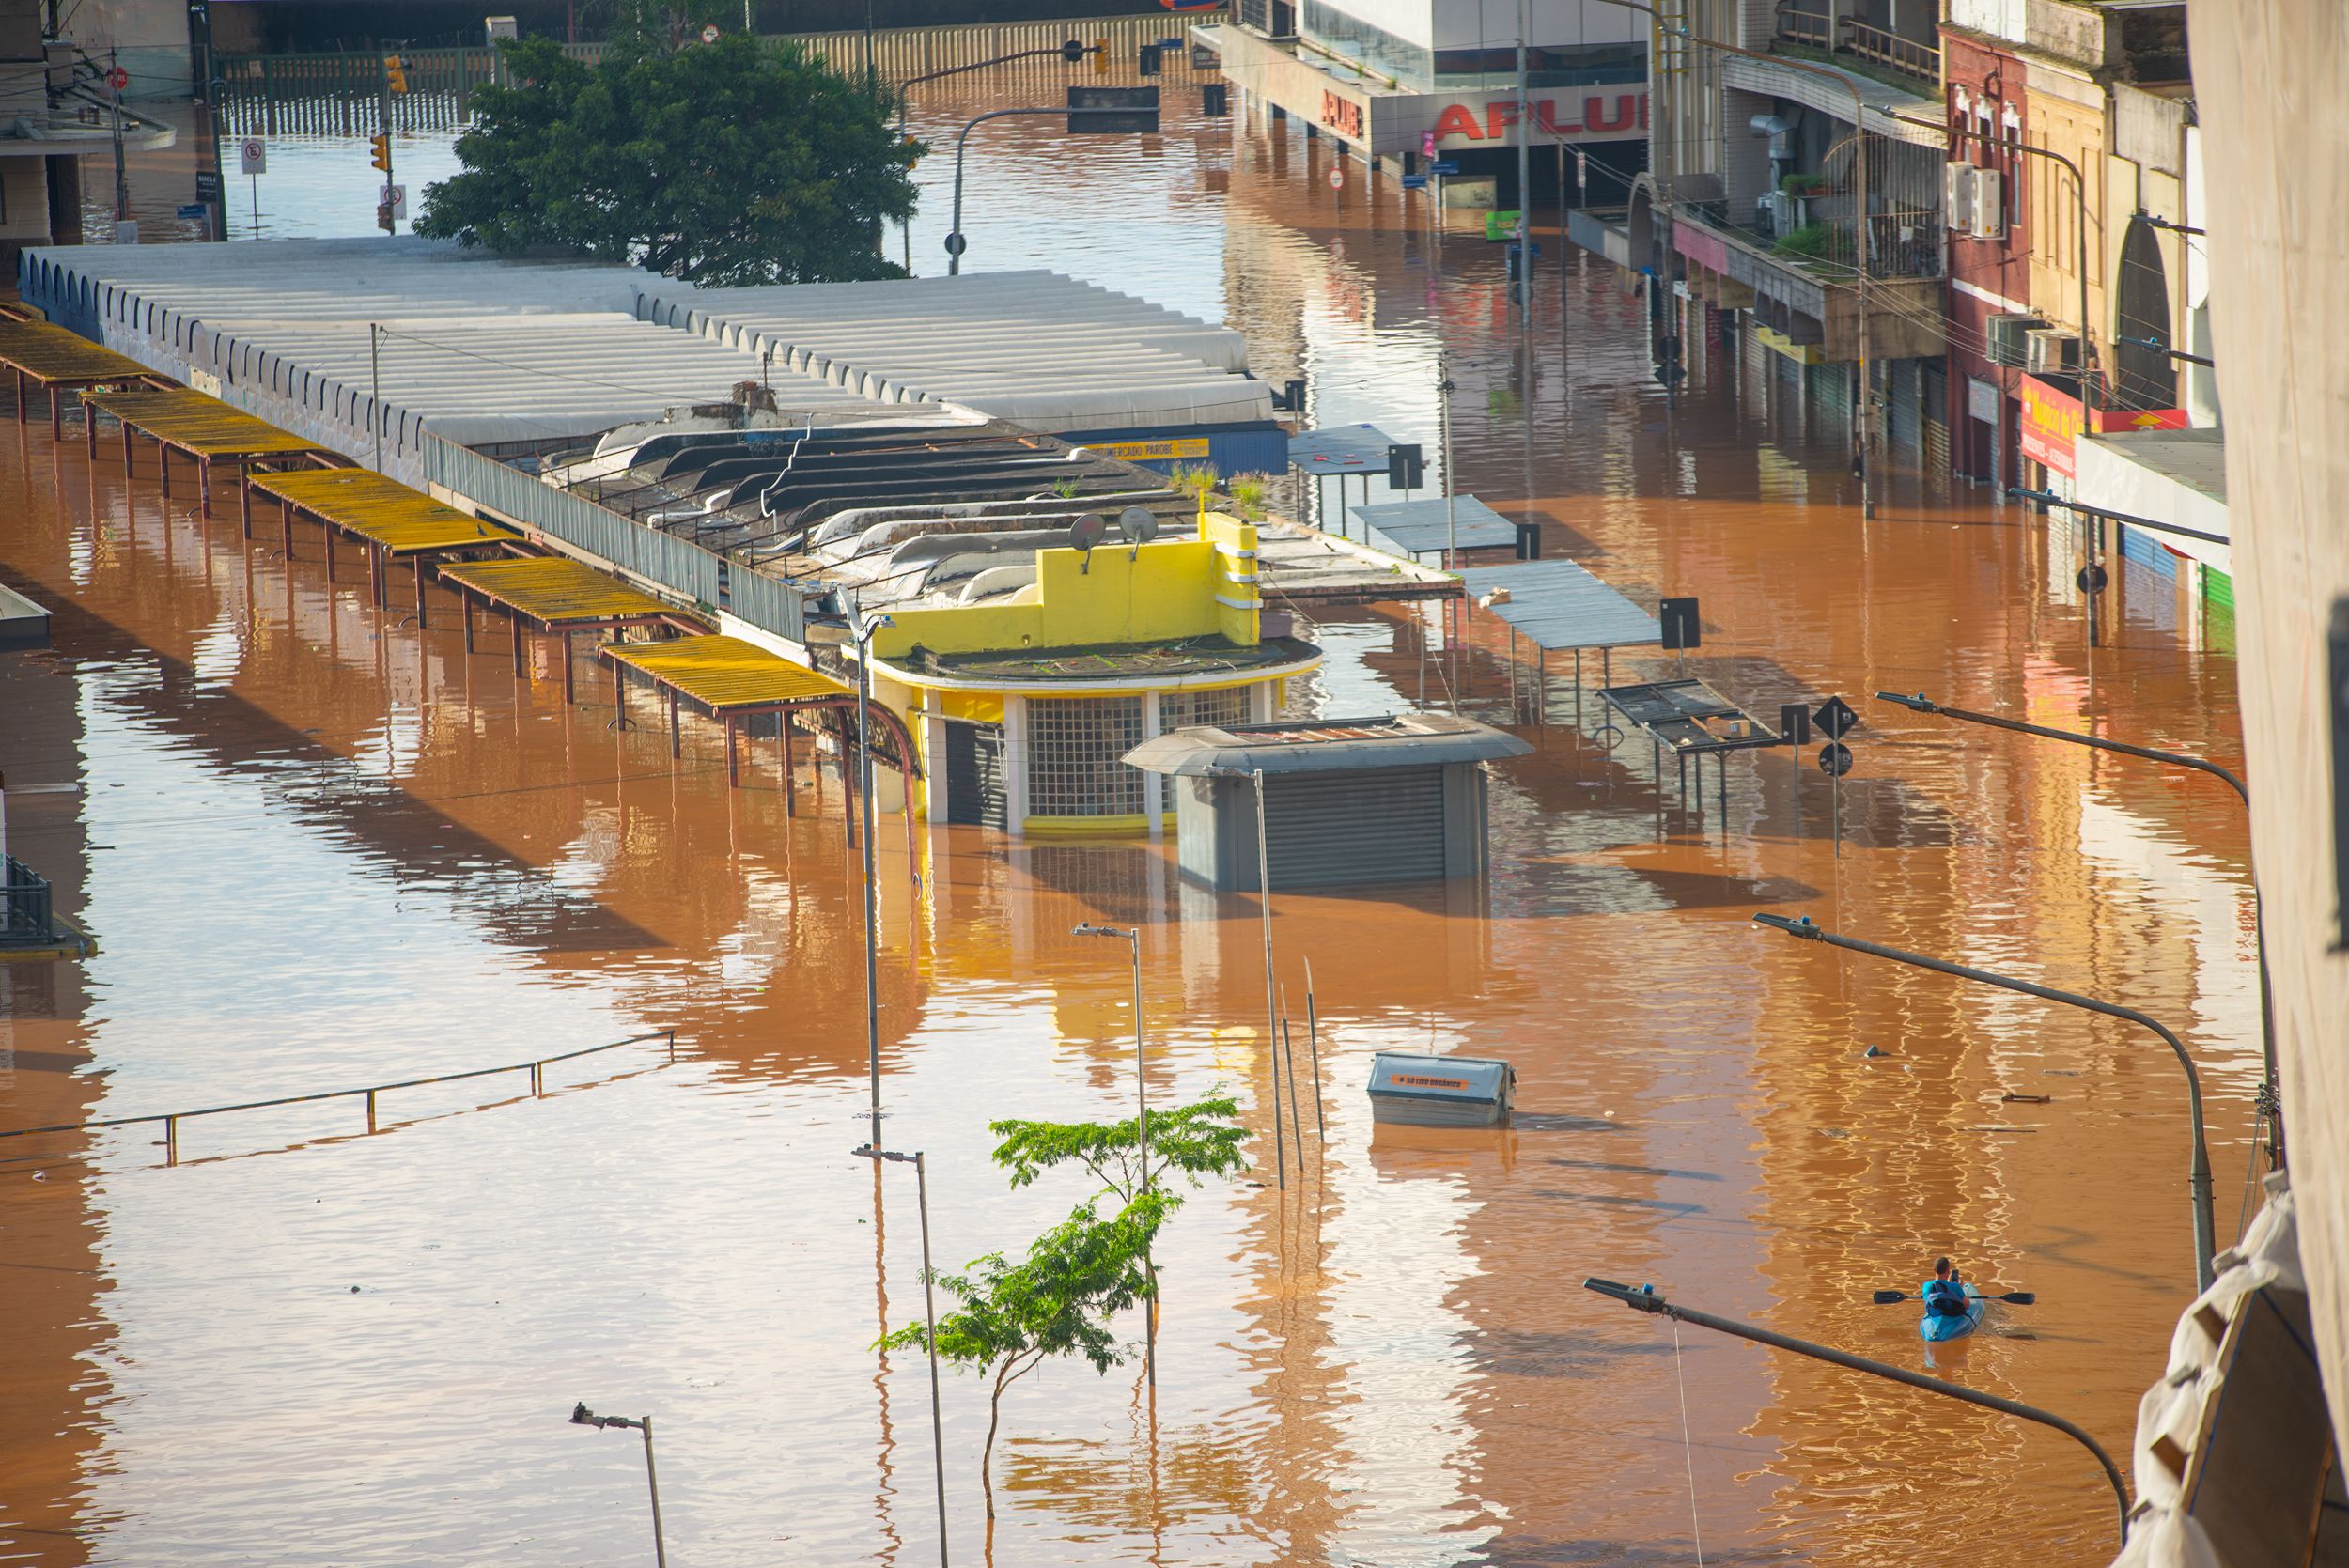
(745, 161)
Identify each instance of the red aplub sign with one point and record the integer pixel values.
(1590, 117)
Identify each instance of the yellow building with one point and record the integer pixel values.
(1027, 681)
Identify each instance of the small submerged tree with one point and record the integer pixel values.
(1062, 1297)
(1058, 1300)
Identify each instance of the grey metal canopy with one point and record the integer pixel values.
(1558, 605)
(1340, 449)
(1324, 745)
(1418, 527)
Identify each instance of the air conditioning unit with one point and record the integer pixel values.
(1765, 216)
(1957, 196)
(2051, 351)
(2009, 338)
(1989, 214)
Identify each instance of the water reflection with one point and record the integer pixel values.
(320, 846)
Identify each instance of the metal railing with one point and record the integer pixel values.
(698, 576)
(1905, 56)
(171, 1118)
(25, 909)
(1816, 30)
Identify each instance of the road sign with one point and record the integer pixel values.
(1793, 722)
(192, 209)
(207, 185)
(253, 156)
(1139, 115)
(1444, 166)
(1835, 718)
(710, 33)
(1406, 467)
(957, 245)
(2091, 578)
(395, 197)
(1414, 181)
(1337, 177)
(1678, 618)
(1835, 760)
(118, 79)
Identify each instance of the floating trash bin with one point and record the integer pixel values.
(1414, 1090)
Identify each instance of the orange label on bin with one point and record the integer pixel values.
(1417, 1083)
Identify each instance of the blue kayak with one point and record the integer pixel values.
(1940, 1327)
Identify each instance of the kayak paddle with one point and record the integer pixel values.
(2018, 1297)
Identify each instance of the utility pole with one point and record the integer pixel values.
(375, 392)
(122, 184)
(1525, 167)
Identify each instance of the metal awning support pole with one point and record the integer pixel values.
(2198, 1175)
(1644, 1299)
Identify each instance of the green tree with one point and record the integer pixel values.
(1196, 1141)
(1058, 1300)
(741, 162)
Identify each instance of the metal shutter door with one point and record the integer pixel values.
(975, 774)
(1329, 830)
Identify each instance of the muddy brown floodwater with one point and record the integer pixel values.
(323, 848)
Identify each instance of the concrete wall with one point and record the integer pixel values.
(2277, 181)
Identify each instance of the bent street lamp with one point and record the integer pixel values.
(929, 1316)
(1644, 1299)
(1142, 1113)
(2197, 1178)
(1922, 704)
(581, 1416)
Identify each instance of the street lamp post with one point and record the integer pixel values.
(2197, 1178)
(1272, 1013)
(864, 631)
(929, 1317)
(955, 243)
(1142, 1114)
(1071, 51)
(581, 1416)
(1922, 704)
(1644, 1299)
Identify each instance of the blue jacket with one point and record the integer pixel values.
(1946, 1297)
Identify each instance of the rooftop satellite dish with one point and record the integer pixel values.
(1084, 534)
(1138, 524)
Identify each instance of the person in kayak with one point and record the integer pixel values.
(1944, 1295)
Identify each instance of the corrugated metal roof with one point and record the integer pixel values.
(557, 591)
(1418, 527)
(722, 672)
(1324, 745)
(384, 512)
(1034, 348)
(1558, 605)
(1340, 449)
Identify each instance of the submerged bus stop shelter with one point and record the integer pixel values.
(1689, 719)
(48, 357)
(1559, 607)
(1439, 525)
(1396, 798)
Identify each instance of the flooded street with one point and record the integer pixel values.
(321, 848)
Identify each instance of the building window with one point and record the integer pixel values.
(1180, 710)
(1075, 756)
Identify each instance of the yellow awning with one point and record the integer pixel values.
(721, 673)
(52, 355)
(202, 426)
(556, 592)
(384, 512)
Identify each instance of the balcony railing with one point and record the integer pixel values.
(1811, 30)
(24, 908)
(1905, 56)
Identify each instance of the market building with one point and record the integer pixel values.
(1395, 86)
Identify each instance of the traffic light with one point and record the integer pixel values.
(396, 73)
(1072, 50)
(383, 146)
(1100, 57)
